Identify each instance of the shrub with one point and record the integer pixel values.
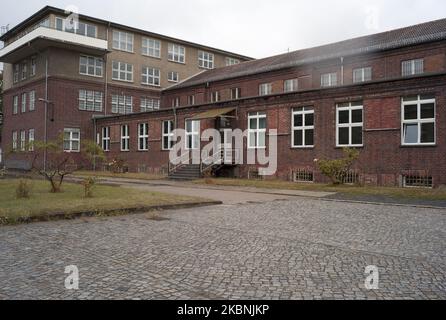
(117, 166)
(23, 190)
(338, 169)
(88, 185)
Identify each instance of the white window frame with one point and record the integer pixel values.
(232, 61)
(257, 131)
(149, 104)
(32, 100)
(329, 79)
(24, 73)
(33, 66)
(194, 133)
(365, 74)
(349, 125)
(265, 89)
(411, 67)
(105, 139)
(176, 53)
(122, 70)
(76, 28)
(15, 140)
(151, 76)
(173, 76)
(122, 104)
(175, 102)
(290, 85)
(151, 47)
(125, 138)
(31, 139)
(16, 73)
(90, 100)
(24, 102)
(123, 41)
(90, 62)
(22, 140)
(191, 100)
(71, 140)
(238, 93)
(215, 96)
(15, 104)
(143, 137)
(419, 121)
(304, 111)
(169, 135)
(206, 60)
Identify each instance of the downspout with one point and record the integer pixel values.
(342, 71)
(106, 73)
(46, 113)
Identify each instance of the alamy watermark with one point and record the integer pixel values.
(72, 281)
(372, 279)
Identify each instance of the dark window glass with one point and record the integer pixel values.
(427, 133)
(410, 112)
(298, 120)
(357, 135)
(298, 138)
(309, 119)
(344, 136)
(344, 116)
(428, 111)
(356, 116)
(309, 137)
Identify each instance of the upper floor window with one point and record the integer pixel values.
(15, 105)
(71, 140)
(151, 76)
(151, 47)
(148, 104)
(90, 100)
(215, 96)
(205, 60)
(257, 130)
(81, 28)
(176, 102)
(192, 134)
(125, 138)
(329, 79)
(106, 138)
(236, 93)
(362, 75)
(24, 102)
(33, 66)
(24, 70)
(122, 41)
(303, 127)
(168, 136)
(418, 120)
(32, 100)
(191, 100)
(412, 67)
(349, 124)
(122, 71)
(122, 104)
(173, 76)
(14, 140)
(290, 85)
(265, 89)
(143, 136)
(91, 66)
(16, 73)
(231, 61)
(177, 53)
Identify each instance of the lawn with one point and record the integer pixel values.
(72, 200)
(408, 193)
(105, 174)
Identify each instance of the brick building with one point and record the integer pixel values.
(383, 94)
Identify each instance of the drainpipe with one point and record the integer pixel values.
(46, 112)
(106, 73)
(342, 71)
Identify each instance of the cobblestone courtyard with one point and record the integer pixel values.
(287, 249)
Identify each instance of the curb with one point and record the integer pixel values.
(104, 213)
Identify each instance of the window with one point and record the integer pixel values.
(205, 60)
(418, 181)
(303, 127)
(91, 66)
(173, 76)
(151, 76)
(90, 100)
(191, 100)
(148, 104)
(236, 93)
(24, 70)
(231, 61)
(151, 47)
(290, 85)
(122, 71)
(71, 140)
(215, 96)
(303, 175)
(122, 41)
(32, 100)
(16, 73)
(23, 102)
(33, 66)
(22, 140)
(177, 53)
(31, 140)
(15, 105)
(125, 138)
(176, 102)
(143, 136)
(192, 134)
(418, 123)
(265, 89)
(106, 138)
(168, 137)
(412, 67)
(14, 140)
(80, 28)
(362, 75)
(122, 104)
(257, 130)
(329, 79)
(349, 124)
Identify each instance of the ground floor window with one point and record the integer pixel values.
(257, 130)
(31, 137)
(303, 175)
(168, 137)
(125, 138)
(22, 140)
(303, 127)
(418, 181)
(418, 120)
(143, 136)
(192, 134)
(71, 140)
(349, 124)
(106, 138)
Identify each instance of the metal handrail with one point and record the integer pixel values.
(175, 167)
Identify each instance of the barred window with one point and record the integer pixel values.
(122, 104)
(90, 100)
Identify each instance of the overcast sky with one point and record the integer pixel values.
(256, 28)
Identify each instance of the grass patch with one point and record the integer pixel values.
(129, 175)
(72, 200)
(407, 193)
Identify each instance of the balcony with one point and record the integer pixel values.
(43, 37)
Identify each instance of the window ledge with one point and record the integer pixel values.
(431, 145)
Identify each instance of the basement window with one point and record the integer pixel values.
(303, 175)
(253, 174)
(352, 177)
(418, 181)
